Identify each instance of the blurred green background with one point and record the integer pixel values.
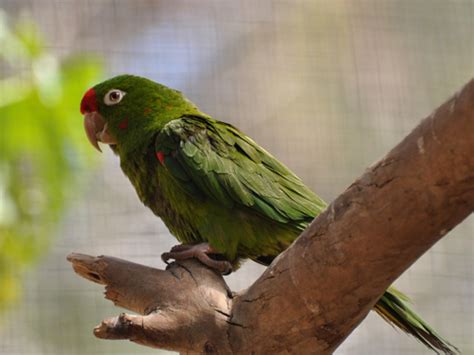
(41, 146)
(326, 86)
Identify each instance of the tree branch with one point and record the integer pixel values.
(175, 302)
(317, 291)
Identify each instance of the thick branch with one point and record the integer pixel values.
(318, 290)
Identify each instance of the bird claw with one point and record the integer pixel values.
(200, 252)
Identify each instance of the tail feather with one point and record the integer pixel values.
(393, 307)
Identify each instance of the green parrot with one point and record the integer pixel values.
(220, 194)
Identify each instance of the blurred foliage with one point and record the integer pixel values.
(42, 145)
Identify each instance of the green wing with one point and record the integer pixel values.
(216, 160)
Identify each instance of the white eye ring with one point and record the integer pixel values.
(113, 97)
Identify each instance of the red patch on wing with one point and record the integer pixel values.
(123, 124)
(161, 157)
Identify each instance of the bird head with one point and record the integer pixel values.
(125, 111)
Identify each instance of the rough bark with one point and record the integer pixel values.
(317, 291)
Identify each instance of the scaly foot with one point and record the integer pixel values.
(200, 252)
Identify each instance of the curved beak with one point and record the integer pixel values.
(93, 124)
(96, 130)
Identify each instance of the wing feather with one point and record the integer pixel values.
(227, 166)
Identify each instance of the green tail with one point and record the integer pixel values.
(393, 307)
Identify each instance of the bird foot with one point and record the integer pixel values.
(200, 252)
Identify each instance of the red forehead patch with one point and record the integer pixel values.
(89, 102)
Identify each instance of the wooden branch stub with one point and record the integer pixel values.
(184, 308)
(318, 290)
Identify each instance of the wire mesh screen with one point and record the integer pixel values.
(327, 86)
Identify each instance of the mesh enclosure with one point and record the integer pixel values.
(327, 86)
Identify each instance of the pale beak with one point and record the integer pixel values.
(96, 130)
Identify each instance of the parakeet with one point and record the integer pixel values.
(220, 194)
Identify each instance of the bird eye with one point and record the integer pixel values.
(113, 97)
